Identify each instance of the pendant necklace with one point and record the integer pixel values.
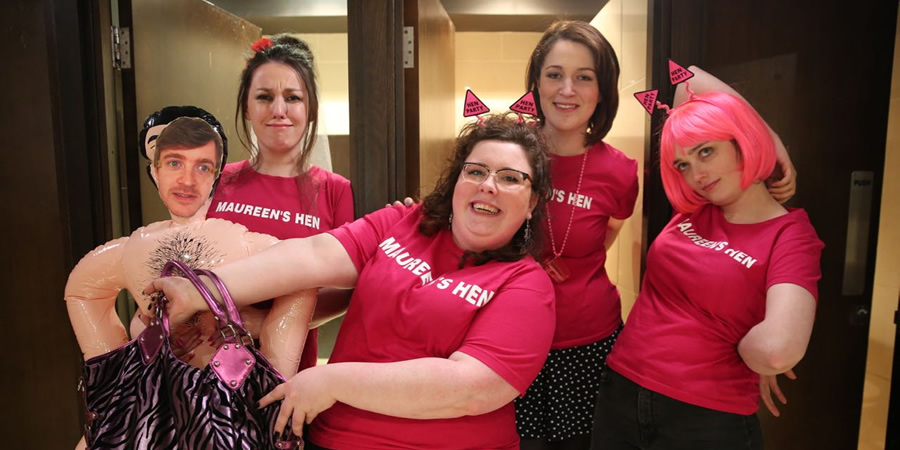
(554, 266)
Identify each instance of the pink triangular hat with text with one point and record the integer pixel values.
(525, 105)
(647, 99)
(677, 74)
(473, 106)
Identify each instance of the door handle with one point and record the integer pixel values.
(858, 217)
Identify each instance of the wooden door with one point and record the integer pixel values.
(377, 157)
(55, 210)
(186, 52)
(428, 89)
(892, 439)
(819, 73)
(393, 151)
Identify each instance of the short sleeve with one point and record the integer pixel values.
(343, 200)
(796, 257)
(512, 334)
(629, 185)
(361, 237)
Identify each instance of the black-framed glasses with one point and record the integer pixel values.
(509, 179)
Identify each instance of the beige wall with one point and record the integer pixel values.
(330, 52)
(873, 425)
(208, 59)
(624, 24)
(493, 66)
(436, 52)
(332, 69)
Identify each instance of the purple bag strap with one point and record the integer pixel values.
(236, 324)
(188, 273)
(233, 313)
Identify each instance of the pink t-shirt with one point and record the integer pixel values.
(279, 207)
(704, 289)
(412, 301)
(588, 307)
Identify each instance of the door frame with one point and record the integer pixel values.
(376, 88)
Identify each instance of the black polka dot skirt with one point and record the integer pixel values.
(559, 404)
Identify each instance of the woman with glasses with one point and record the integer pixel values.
(451, 317)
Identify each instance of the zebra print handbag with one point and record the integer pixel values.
(140, 396)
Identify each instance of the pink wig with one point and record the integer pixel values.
(714, 116)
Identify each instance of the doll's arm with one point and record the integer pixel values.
(282, 333)
(91, 299)
(284, 330)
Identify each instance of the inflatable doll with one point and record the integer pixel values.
(186, 157)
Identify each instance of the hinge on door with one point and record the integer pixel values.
(121, 47)
(409, 47)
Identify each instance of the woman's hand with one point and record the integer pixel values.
(304, 396)
(768, 384)
(184, 300)
(783, 188)
(408, 201)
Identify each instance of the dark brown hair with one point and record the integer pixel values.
(438, 205)
(295, 54)
(606, 67)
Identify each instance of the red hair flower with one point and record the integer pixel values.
(261, 45)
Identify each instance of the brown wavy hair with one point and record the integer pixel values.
(606, 67)
(438, 205)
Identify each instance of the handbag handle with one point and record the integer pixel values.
(151, 339)
(230, 307)
(230, 324)
(238, 331)
(188, 273)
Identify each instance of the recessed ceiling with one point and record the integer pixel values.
(517, 15)
(330, 16)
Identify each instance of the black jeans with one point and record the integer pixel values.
(629, 417)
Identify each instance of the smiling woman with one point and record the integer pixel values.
(489, 213)
(573, 74)
(451, 316)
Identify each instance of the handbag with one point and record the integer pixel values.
(142, 396)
